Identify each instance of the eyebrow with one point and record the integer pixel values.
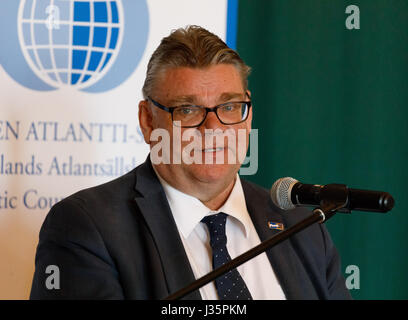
(191, 99)
(182, 99)
(231, 95)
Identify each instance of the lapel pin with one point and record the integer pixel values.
(275, 225)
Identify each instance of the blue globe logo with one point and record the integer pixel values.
(79, 44)
(70, 43)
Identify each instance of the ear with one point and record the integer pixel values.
(145, 120)
(248, 93)
(249, 120)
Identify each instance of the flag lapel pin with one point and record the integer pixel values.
(275, 225)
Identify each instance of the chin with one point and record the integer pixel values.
(213, 172)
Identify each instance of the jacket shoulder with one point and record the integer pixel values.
(107, 193)
(102, 206)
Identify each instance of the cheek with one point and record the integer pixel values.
(242, 143)
(249, 120)
(160, 121)
(162, 124)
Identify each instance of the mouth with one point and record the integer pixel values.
(213, 149)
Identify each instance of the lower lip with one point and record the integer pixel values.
(215, 154)
(214, 150)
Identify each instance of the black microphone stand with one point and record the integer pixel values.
(334, 199)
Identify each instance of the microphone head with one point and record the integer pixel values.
(281, 193)
(388, 202)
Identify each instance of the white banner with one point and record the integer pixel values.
(70, 81)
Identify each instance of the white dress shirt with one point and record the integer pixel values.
(241, 236)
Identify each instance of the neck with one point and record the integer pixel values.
(213, 195)
(216, 202)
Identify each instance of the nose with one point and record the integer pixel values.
(212, 121)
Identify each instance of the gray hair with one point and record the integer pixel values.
(193, 47)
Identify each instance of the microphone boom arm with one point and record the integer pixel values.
(332, 202)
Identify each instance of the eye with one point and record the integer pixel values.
(187, 110)
(230, 107)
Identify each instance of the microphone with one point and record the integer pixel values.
(288, 193)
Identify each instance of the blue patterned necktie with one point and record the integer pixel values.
(230, 286)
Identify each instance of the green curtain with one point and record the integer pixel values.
(331, 105)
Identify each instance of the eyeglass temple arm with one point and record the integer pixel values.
(170, 110)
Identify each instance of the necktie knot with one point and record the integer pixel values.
(216, 227)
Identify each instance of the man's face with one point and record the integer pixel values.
(206, 87)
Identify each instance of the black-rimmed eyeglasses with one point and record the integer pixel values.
(191, 116)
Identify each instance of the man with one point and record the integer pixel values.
(168, 222)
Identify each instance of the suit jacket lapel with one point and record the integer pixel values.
(154, 207)
(285, 262)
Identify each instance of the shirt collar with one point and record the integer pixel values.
(189, 211)
(235, 206)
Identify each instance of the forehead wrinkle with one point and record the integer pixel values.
(183, 99)
(204, 87)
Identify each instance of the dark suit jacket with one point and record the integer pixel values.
(119, 241)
